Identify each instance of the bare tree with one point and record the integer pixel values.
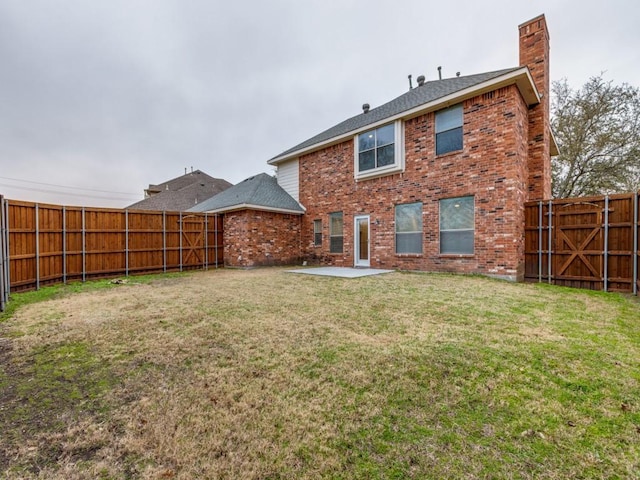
(597, 129)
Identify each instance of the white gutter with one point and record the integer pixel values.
(521, 77)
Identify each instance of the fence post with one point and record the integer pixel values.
(3, 265)
(540, 241)
(180, 241)
(164, 241)
(634, 256)
(605, 267)
(550, 227)
(7, 250)
(37, 211)
(206, 241)
(64, 245)
(126, 243)
(84, 247)
(215, 231)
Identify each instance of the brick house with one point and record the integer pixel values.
(434, 180)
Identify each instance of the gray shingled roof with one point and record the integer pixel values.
(182, 193)
(428, 92)
(261, 190)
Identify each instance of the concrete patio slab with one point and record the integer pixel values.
(342, 272)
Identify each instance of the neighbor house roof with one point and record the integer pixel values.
(429, 96)
(181, 193)
(260, 192)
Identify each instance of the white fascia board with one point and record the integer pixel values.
(521, 78)
(249, 206)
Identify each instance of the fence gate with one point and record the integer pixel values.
(4, 253)
(589, 242)
(193, 240)
(579, 244)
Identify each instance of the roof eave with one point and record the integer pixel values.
(250, 206)
(520, 77)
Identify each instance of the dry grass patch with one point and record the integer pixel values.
(265, 374)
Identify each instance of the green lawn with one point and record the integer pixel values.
(265, 374)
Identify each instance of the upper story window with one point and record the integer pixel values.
(379, 151)
(449, 130)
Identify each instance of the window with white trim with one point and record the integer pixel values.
(449, 130)
(379, 151)
(457, 220)
(336, 232)
(409, 228)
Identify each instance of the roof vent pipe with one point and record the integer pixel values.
(421, 80)
(410, 84)
(440, 73)
(365, 108)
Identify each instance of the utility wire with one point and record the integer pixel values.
(63, 186)
(57, 192)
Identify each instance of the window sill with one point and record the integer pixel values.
(409, 255)
(449, 154)
(456, 255)
(380, 172)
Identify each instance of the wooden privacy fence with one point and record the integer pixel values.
(46, 244)
(584, 242)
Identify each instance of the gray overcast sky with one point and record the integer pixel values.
(111, 95)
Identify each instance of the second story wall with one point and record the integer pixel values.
(491, 167)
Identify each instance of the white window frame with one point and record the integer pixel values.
(398, 153)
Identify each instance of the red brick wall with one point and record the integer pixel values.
(492, 167)
(254, 238)
(534, 53)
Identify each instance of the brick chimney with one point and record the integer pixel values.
(534, 53)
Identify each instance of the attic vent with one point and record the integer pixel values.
(421, 80)
(365, 108)
(487, 96)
